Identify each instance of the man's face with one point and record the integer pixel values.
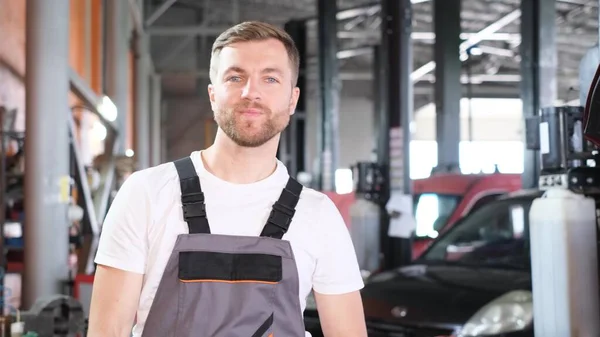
(252, 95)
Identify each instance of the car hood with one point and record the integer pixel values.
(437, 295)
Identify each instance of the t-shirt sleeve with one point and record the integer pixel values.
(337, 270)
(123, 244)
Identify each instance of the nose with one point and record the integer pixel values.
(251, 89)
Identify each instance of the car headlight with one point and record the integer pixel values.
(510, 312)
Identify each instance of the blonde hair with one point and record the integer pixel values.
(255, 31)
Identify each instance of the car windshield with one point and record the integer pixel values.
(432, 212)
(494, 235)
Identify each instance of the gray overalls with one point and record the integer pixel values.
(228, 286)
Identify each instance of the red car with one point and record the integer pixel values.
(441, 199)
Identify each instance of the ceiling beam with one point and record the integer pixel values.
(473, 40)
(159, 11)
(478, 91)
(366, 9)
(361, 34)
(428, 36)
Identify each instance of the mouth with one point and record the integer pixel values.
(251, 112)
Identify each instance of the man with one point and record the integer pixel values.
(250, 243)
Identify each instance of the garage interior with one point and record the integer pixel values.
(450, 134)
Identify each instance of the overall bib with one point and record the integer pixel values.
(228, 286)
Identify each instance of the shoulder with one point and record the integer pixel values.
(145, 191)
(316, 200)
(140, 191)
(322, 210)
(157, 176)
(154, 181)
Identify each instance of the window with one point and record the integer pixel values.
(493, 235)
(343, 181)
(432, 212)
(475, 157)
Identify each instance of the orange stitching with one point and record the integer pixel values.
(223, 281)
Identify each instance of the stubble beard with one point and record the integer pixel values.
(250, 133)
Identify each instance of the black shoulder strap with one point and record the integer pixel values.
(192, 197)
(283, 210)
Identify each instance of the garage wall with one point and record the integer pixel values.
(186, 126)
(356, 117)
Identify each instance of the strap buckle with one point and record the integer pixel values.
(284, 209)
(190, 198)
(281, 216)
(194, 210)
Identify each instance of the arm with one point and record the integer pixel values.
(121, 260)
(341, 315)
(337, 278)
(114, 302)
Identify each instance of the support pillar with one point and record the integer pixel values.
(142, 153)
(538, 70)
(47, 180)
(117, 64)
(330, 87)
(156, 120)
(295, 132)
(448, 87)
(395, 93)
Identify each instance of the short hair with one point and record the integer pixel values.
(256, 31)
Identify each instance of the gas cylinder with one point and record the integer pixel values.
(564, 264)
(364, 230)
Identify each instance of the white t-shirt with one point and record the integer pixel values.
(141, 227)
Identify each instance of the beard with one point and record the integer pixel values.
(251, 132)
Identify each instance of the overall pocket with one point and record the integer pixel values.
(226, 294)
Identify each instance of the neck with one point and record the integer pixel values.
(240, 165)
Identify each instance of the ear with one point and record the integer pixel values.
(211, 95)
(294, 100)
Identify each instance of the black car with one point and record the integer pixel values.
(474, 280)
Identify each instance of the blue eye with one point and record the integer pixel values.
(234, 78)
(272, 80)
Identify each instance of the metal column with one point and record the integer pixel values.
(381, 125)
(47, 180)
(381, 119)
(156, 120)
(538, 70)
(330, 87)
(142, 152)
(394, 90)
(448, 88)
(295, 132)
(117, 64)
